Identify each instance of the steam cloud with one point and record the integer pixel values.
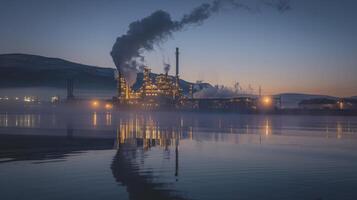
(157, 27)
(221, 91)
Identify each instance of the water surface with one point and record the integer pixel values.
(113, 155)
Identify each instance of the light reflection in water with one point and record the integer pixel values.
(335, 127)
(135, 137)
(23, 120)
(146, 132)
(139, 134)
(4, 120)
(267, 128)
(339, 130)
(108, 118)
(94, 120)
(132, 165)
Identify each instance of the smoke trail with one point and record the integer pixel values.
(221, 91)
(157, 27)
(215, 92)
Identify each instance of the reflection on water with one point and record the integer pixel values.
(95, 119)
(108, 118)
(180, 155)
(267, 127)
(22, 120)
(331, 126)
(135, 137)
(146, 131)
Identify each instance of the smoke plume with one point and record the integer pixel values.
(221, 91)
(215, 92)
(157, 27)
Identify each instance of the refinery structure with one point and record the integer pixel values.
(163, 91)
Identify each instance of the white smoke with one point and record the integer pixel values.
(221, 91)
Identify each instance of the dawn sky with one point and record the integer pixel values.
(311, 48)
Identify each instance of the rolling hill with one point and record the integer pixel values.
(23, 70)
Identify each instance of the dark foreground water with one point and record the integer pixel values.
(177, 156)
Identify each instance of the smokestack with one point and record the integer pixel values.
(177, 62)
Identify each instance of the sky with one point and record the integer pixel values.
(309, 49)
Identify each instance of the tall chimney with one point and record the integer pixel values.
(177, 62)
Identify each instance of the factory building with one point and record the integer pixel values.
(162, 92)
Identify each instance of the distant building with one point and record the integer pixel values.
(319, 104)
(347, 104)
(231, 104)
(55, 99)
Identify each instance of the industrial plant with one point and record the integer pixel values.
(152, 91)
(164, 92)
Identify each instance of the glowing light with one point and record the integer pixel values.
(54, 99)
(29, 99)
(108, 106)
(95, 104)
(341, 105)
(267, 101)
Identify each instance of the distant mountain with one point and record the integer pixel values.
(23, 70)
(292, 100)
(30, 71)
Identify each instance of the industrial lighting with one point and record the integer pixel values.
(55, 99)
(95, 104)
(341, 105)
(267, 101)
(28, 99)
(108, 106)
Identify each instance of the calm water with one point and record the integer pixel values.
(104, 155)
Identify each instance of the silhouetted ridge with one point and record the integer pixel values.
(23, 70)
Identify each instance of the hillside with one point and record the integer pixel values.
(22, 70)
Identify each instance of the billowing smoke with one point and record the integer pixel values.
(157, 27)
(216, 91)
(221, 91)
